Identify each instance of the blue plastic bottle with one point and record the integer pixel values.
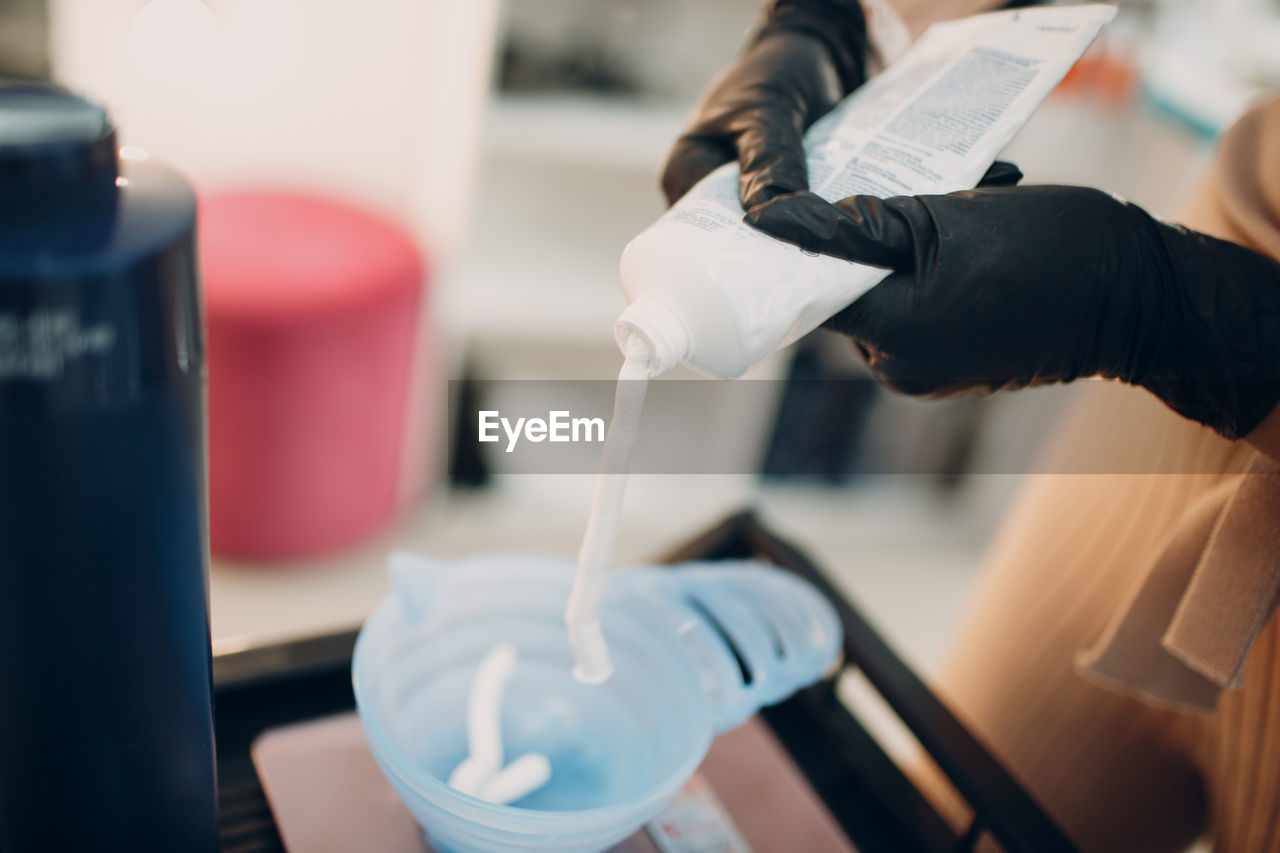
(106, 729)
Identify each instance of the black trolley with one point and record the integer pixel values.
(874, 803)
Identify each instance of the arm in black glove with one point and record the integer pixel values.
(1016, 286)
(806, 56)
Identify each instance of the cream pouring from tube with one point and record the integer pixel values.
(706, 288)
(582, 616)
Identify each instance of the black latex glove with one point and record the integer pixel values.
(807, 55)
(1016, 286)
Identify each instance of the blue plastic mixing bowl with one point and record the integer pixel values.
(696, 650)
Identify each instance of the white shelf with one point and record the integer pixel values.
(611, 132)
(563, 184)
(908, 561)
(253, 604)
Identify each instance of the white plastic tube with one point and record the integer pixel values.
(704, 286)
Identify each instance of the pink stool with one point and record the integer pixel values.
(313, 312)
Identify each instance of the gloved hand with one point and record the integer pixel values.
(807, 55)
(1016, 286)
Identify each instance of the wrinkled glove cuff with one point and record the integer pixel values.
(838, 24)
(1222, 368)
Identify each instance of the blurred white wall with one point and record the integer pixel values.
(377, 101)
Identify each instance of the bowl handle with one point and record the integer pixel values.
(758, 633)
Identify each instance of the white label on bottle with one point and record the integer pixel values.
(39, 345)
(696, 822)
(931, 123)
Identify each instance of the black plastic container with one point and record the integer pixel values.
(106, 730)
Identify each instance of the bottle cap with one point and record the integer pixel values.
(653, 319)
(56, 148)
